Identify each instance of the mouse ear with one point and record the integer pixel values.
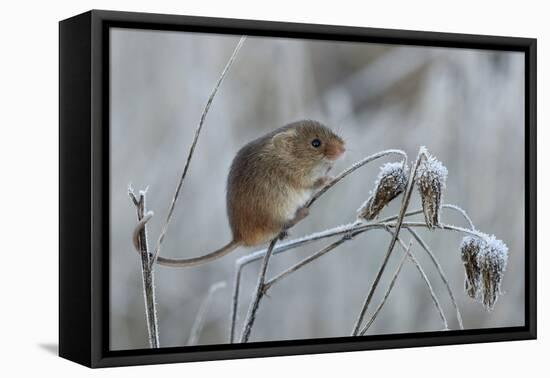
(283, 139)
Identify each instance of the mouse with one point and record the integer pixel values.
(269, 183)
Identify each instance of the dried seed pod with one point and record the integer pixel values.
(492, 263)
(470, 248)
(431, 176)
(391, 181)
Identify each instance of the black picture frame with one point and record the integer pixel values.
(84, 188)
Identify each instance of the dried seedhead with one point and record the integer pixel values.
(493, 264)
(485, 261)
(391, 181)
(431, 176)
(470, 248)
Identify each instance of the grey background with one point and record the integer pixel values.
(466, 106)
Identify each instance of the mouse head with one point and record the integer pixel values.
(309, 142)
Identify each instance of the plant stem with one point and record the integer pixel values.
(354, 228)
(147, 273)
(439, 268)
(402, 211)
(235, 303)
(308, 260)
(352, 169)
(198, 324)
(258, 294)
(388, 291)
(192, 149)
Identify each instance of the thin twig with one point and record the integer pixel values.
(443, 226)
(402, 211)
(192, 149)
(235, 303)
(425, 246)
(198, 324)
(258, 294)
(435, 300)
(308, 260)
(461, 211)
(147, 273)
(350, 231)
(388, 291)
(352, 169)
(354, 228)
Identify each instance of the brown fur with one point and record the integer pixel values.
(266, 172)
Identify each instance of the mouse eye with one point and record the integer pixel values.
(316, 143)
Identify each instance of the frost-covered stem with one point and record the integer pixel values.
(399, 221)
(353, 168)
(424, 277)
(350, 228)
(461, 211)
(147, 272)
(439, 268)
(388, 291)
(258, 294)
(442, 226)
(192, 148)
(198, 324)
(309, 259)
(235, 302)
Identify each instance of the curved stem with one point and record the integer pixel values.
(439, 268)
(461, 211)
(192, 149)
(312, 258)
(352, 169)
(198, 324)
(388, 291)
(355, 228)
(399, 222)
(449, 227)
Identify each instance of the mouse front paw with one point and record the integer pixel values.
(322, 181)
(301, 213)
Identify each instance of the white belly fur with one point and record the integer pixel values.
(295, 200)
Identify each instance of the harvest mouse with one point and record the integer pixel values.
(270, 180)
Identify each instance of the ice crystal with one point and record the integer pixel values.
(391, 181)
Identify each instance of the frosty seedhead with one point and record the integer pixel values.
(485, 260)
(391, 181)
(492, 262)
(470, 249)
(431, 176)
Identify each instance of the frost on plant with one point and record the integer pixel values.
(470, 249)
(493, 264)
(391, 181)
(485, 261)
(431, 176)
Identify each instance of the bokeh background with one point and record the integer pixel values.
(466, 106)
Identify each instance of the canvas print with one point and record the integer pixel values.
(271, 189)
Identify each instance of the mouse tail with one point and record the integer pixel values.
(178, 263)
(199, 260)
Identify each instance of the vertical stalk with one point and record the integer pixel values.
(147, 273)
(258, 294)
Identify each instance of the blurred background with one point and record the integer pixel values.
(465, 106)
